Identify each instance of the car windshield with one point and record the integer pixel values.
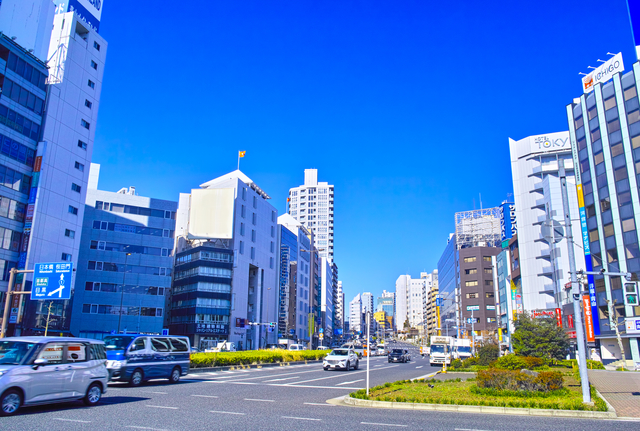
(464, 349)
(398, 351)
(437, 349)
(340, 352)
(117, 342)
(13, 352)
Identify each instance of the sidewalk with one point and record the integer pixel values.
(620, 388)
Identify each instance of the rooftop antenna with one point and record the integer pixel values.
(480, 194)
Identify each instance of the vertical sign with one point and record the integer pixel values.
(588, 319)
(26, 232)
(559, 317)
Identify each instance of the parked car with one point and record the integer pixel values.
(399, 355)
(297, 347)
(43, 370)
(323, 348)
(341, 359)
(135, 358)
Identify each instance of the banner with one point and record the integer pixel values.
(588, 319)
(559, 317)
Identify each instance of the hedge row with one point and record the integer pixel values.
(203, 360)
(509, 380)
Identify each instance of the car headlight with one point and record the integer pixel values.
(116, 364)
(2, 373)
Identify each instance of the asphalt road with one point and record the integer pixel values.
(273, 398)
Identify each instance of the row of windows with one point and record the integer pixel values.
(201, 318)
(26, 71)
(96, 286)
(475, 283)
(130, 209)
(213, 256)
(17, 151)
(202, 302)
(473, 259)
(15, 180)
(135, 269)
(475, 271)
(5, 267)
(128, 248)
(10, 239)
(204, 270)
(125, 311)
(22, 96)
(203, 287)
(129, 228)
(477, 295)
(12, 210)
(19, 123)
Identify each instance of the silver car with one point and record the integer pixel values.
(341, 359)
(43, 370)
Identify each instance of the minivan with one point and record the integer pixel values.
(136, 358)
(297, 347)
(43, 370)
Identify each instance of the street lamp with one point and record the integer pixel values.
(124, 274)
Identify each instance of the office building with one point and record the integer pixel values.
(125, 262)
(430, 312)
(226, 253)
(312, 205)
(28, 23)
(355, 315)
(294, 279)
(339, 310)
(604, 128)
(386, 304)
(327, 297)
(409, 300)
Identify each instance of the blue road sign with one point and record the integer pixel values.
(439, 302)
(165, 331)
(292, 331)
(52, 281)
(321, 330)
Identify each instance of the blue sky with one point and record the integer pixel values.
(405, 106)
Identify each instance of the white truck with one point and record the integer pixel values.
(440, 351)
(461, 348)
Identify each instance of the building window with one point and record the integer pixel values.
(241, 228)
(243, 211)
(76, 188)
(488, 282)
(489, 295)
(253, 235)
(253, 253)
(254, 218)
(70, 233)
(87, 103)
(255, 202)
(487, 258)
(273, 246)
(273, 232)
(244, 194)
(79, 166)
(469, 259)
(66, 257)
(82, 145)
(91, 84)
(273, 216)
(471, 271)
(472, 295)
(271, 262)
(470, 283)
(241, 247)
(94, 65)
(73, 210)
(488, 271)
(96, 45)
(85, 124)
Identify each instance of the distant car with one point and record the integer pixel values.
(323, 348)
(43, 370)
(194, 350)
(381, 351)
(399, 355)
(341, 359)
(297, 347)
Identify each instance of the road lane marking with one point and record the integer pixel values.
(385, 425)
(420, 366)
(467, 429)
(279, 380)
(205, 396)
(72, 420)
(346, 383)
(145, 428)
(154, 392)
(320, 404)
(227, 413)
(333, 377)
(239, 378)
(256, 399)
(300, 419)
(162, 407)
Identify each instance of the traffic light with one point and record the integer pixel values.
(631, 293)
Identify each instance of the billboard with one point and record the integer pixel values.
(89, 11)
(507, 220)
(603, 73)
(211, 214)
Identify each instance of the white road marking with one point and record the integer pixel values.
(239, 378)
(300, 419)
(154, 392)
(72, 420)
(162, 407)
(346, 383)
(385, 425)
(320, 404)
(420, 366)
(145, 428)
(204, 396)
(288, 385)
(227, 413)
(333, 377)
(279, 380)
(255, 399)
(467, 429)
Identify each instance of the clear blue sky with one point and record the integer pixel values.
(405, 106)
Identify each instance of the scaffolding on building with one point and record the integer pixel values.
(478, 228)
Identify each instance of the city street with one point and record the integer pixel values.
(272, 398)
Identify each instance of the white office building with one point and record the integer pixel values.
(339, 307)
(327, 295)
(410, 305)
(312, 205)
(544, 267)
(355, 314)
(29, 24)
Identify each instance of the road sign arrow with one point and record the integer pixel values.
(58, 291)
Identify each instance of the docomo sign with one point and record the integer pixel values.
(603, 73)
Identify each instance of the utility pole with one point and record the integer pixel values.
(575, 287)
(368, 348)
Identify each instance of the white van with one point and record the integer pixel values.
(297, 347)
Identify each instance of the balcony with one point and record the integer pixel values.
(547, 270)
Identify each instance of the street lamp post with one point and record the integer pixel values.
(124, 274)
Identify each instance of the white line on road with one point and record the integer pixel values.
(162, 407)
(346, 383)
(467, 429)
(227, 413)
(72, 420)
(300, 419)
(385, 425)
(333, 377)
(266, 377)
(420, 366)
(145, 428)
(154, 392)
(286, 385)
(255, 399)
(205, 396)
(320, 404)
(279, 380)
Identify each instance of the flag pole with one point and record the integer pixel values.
(238, 160)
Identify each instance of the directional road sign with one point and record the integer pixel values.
(52, 281)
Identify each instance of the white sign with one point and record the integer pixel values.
(633, 325)
(603, 73)
(473, 307)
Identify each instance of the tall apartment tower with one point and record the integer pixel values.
(339, 309)
(604, 127)
(430, 317)
(312, 205)
(355, 314)
(409, 300)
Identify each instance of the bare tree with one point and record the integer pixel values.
(614, 323)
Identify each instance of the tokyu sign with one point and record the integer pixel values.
(603, 73)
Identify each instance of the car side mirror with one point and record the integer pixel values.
(39, 362)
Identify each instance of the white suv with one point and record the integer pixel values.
(43, 370)
(341, 359)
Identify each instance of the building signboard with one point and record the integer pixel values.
(52, 281)
(543, 313)
(89, 11)
(507, 221)
(473, 307)
(588, 319)
(632, 325)
(603, 73)
(559, 317)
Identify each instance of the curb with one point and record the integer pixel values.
(246, 367)
(347, 400)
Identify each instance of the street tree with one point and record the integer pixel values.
(539, 337)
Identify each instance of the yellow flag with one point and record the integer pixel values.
(241, 153)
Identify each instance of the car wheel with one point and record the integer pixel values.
(94, 393)
(136, 378)
(10, 402)
(357, 365)
(175, 375)
(326, 369)
(348, 366)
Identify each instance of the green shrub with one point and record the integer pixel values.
(533, 363)
(202, 360)
(469, 362)
(457, 363)
(487, 354)
(510, 362)
(594, 365)
(545, 381)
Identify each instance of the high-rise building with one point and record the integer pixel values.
(604, 128)
(312, 205)
(339, 310)
(294, 279)
(28, 23)
(355, 315)
(327, 297)
(386, 304)
(409, 300)
(226, 253)
(125, 263)
(430, 315)
(448, 291)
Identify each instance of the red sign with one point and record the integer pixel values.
(543, 313)
(559, 317)
(571, 334)
(588, 319)
(568, 285)
(570, 320)
(38, 164)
